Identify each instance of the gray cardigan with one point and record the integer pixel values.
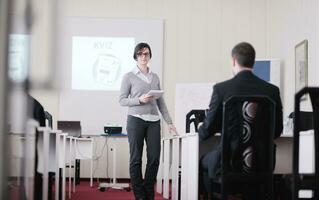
(133, 87)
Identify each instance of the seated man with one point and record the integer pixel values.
(243, 83)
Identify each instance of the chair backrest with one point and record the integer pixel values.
(194, 116)
(248, 135)
(83, 148)
(312, 124)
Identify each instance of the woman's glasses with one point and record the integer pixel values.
(140, 54)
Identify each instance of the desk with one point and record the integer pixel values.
(180, 154)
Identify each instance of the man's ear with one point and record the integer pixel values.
(233, 61)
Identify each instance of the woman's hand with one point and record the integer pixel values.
(145, 98)
(172, 129)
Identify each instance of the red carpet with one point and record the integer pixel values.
(85, 192)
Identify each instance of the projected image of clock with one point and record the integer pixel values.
(98, 63)
(106, 69)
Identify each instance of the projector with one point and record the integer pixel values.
(111, 129)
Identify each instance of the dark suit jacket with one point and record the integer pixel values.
(244, 83)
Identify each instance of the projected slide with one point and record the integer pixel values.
(18, 56)
(98, 63)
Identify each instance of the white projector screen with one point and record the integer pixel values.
(95, 53)
(98, 63)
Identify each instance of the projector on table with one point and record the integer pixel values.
(110, 129)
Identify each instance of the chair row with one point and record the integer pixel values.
(56, 151)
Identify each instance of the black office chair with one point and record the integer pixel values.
(194, 117)
(305, 120)
(247, 148)
(306, 181)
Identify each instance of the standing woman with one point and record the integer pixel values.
(143, 121)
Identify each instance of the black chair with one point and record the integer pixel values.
(306, 181)
(305, 120)
(247, 148)
(195, 117)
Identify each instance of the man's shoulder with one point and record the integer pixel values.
(37, 104)
(256, 85)
(266, 84)
(224, 83)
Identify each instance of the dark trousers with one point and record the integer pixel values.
(205, 182)
(139, 130)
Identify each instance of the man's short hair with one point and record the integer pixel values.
(139, 47)
(245, 54)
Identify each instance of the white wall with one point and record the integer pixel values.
(290, 23)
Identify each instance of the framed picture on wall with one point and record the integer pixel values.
(301, 65)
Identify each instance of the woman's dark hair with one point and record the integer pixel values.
(245, 54)
(139, 47)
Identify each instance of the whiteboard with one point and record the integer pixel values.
(190, 96)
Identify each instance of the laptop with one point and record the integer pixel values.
(73, 128)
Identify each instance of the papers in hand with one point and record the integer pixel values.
(155, 93)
